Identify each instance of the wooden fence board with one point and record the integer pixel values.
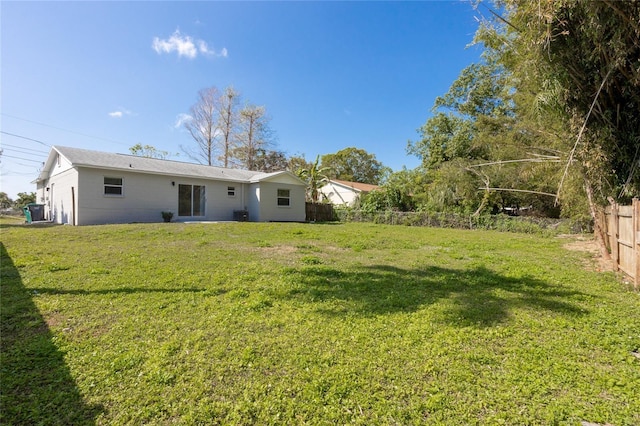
(319, 212)
(623, 231)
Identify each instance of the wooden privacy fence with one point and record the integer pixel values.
(317, 212)
(623, 230)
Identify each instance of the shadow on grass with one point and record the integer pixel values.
(33, 225)
(124, 290)
(36, 384)
(477, 297)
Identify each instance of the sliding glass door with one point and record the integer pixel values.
(191, 200)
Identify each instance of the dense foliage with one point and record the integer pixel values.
(315, 176)
(548, 120)
(590, 51)
(354, 165)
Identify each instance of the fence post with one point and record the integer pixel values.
(614, 222)
(636, 241)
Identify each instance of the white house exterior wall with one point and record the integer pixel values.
(145, 196)
(269, 209)
(58, 199)
(339, 195)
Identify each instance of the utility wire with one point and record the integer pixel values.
(24, 159)
(64, 130)
(24, 137)
(21, 147)
(22, 151)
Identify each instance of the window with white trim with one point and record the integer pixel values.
(231, 191)
(113, 186)
(284, 197)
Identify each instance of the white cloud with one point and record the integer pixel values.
(185, 45)
(119, 113)
(181, 119)
(204, 48)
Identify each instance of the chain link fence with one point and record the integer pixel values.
(526, 224)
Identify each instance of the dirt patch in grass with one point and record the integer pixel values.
(54, 319)
(586, 244)
(277, 250)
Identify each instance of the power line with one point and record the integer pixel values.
(24, 159)
(22, 151)
(10, 173)
(24, 137)
(64, 130)
(20, 147)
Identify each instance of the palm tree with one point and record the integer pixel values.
(315, 177)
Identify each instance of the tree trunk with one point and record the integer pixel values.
(599, 228)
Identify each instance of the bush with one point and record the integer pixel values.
(500, 222)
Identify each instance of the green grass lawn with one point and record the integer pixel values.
(254, 323)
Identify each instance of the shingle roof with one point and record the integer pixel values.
(105, 160)
(364, 187)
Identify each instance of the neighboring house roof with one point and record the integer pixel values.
(356, 186)
(110, 161)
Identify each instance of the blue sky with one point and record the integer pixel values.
(332, 75)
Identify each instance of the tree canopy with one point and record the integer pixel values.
(354, 165)
(149, 151)
(585, 59)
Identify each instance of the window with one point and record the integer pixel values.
(231, 191)
(191, 200)
(284, 198)
(113, 186)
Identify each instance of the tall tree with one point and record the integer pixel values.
(203, 126)
(483, 133)
(228, 122)
(297, 163)
(584, 57)
(355, 165)
(254, 135)
(24, 198)
(271, 161)
(5, 201)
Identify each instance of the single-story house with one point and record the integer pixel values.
(84, 187)
(345, 193)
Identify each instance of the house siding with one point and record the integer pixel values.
(145, 196)
(269, 209)
(58, 199)
(339, 195)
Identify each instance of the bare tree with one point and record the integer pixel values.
(254, 135)
(225, 134)
(228, 122)
(203, 125)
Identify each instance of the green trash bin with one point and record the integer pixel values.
(27, 214)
